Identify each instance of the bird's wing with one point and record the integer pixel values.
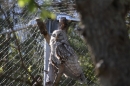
(64, 51)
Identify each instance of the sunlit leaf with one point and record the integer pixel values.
(32, 7)
(1, 70)
(29, 68)
(22, 3)
(29, 78)
(53, 16)
(47, 14)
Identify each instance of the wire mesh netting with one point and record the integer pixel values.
(22, 49)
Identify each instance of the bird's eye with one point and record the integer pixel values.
(60, 34)
(54, 35)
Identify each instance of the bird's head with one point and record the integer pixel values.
(59, 35)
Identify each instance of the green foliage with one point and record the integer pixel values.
(22, 3)
(29, 3)
(29, 68)
(33, 6)
(13, 68)
(1, 70)
(45, 14)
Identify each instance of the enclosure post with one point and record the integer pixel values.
(46, 59)
(51, 25)
(46, 54)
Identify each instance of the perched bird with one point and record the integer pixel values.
(63, 54)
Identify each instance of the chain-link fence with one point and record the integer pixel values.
(22, 49)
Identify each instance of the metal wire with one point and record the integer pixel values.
(31, 43)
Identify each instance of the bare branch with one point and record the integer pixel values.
(43, 30)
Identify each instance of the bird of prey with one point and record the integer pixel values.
(64, 58)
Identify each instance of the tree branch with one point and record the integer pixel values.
(43, 30)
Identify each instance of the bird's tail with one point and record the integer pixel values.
(82, 79)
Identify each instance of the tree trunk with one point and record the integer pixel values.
(107, 38)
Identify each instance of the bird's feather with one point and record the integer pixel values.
(64, 51)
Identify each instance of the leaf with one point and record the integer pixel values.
(22, 3)
(31, 6)
(47, 14)
(53, 16)
(1, 70)
(29, 78)
(29, 68)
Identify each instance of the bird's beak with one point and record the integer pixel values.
(57, 38)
